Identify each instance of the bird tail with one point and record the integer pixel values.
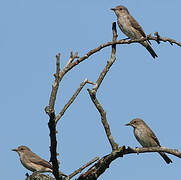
(165, 157)
(149, 48)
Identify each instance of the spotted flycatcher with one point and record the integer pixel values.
(146, 137)
(130, 27)
(33, 162)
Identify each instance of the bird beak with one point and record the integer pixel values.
(113, 9)
(14, 150)
(128, 124)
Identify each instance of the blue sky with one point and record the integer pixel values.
(33, 32)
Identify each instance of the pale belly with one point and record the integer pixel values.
(143, 138)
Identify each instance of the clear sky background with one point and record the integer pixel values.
(33, 32)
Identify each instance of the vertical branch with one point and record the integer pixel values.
(53, 146)
(67, 105)
(55, 84)
(52, 125)
(92, 92)
(102, 112)
(111, 60)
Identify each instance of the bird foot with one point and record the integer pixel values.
(136, 149)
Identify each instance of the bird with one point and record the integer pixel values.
(33, 162)
(130, 27)
(146, 137)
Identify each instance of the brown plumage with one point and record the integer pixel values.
(130, 27)
(33, 162)
(146, 136)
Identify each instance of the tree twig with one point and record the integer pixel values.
(54, 86)
(72, 99)
(92, 92)
(81, 168)
(174, 152)
(111, 60)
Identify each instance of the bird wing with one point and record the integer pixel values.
(155, 138)
(152, 135)
(37, 160)
(135, 24)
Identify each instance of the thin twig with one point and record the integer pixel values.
(174, 152)
(72, 99)
(55, 85)
(72, 57)
(111, 60)
(82, 168)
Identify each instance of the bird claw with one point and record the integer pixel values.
(136, 149)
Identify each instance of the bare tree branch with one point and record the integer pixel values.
(123, 41)
(55, 86)
(53, 146)
(81, 168)
(50, 110)
(72, 99)
(72, 62)
(111, 60)
(99, 168)
(51, 124)
(174, 152)
(92, 92)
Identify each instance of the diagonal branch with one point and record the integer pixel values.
(111, 60)
(72, 99)
(92, 92)
(99, 167)
(71, 63)
(123, 41)
(81, 168)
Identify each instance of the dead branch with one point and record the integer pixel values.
(72, 62)
(123, 41)
(81, 168)
(174, 152)
(72, 99)
(99, 168)
(52, 125)
(92, 92)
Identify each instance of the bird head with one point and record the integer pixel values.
(135, 122)
(21, 149)
(120, 10)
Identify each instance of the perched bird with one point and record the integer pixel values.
(146, 137)
(33, 162)
(130, 27)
